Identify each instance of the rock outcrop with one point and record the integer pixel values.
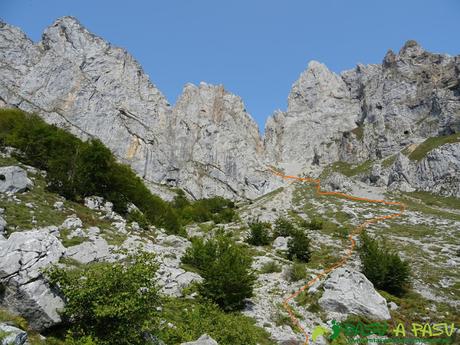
(203, 340)
(12, 335)
(207, 144)
(22, 257)
(349, 292)
(14, 179)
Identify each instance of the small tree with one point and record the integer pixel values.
(283, 227)
(228, 278)
(299, 247)
(110, 303)
(259, 233)
(383, 267)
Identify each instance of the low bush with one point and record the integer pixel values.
(270, 267)
(315, 224)
(283, 228)
(191, 319)
(139, 218)
(383, 267)
(110, 303)
(217, 209)
(259, 233)
(297, 271)
(299, 247)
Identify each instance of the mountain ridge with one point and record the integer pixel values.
(206, 143)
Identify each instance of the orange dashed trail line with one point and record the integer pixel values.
(349, 252)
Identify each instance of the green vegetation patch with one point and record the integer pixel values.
(430, 144)
(347, 169)
(191, 319)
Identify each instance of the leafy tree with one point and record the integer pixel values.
(299, 247)
(226, 269)
(383, 267)
(259, 233)
(200, 253)
(110, 303)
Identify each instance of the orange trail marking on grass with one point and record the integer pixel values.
(349, 252)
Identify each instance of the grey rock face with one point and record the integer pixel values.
(320, 109)
(14, 179)
(349, 292)
(368, 113)
(438, 172)
(22, 256)
(203, 340)
(14, 335)
(207, 144)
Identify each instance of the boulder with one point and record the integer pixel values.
(86, 252)
(203, 340)
(73, 222)
(349, 292)
(14, 179)
(22, 257)
(2, 225)
(280, 243)
(10, 335)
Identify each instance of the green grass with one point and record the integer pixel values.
(358, 132)
(416, 204)
(310, 300)
(270, 194)
(270, 267)
(387, 162)
(347, 169)
(430, 144)
(192, 318)
(436, 200)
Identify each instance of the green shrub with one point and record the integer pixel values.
(200, 253)
(259, 233)
(283, 227)
(110, 303)
(139, 218)
(191, 319)
(315, 224)
(270, 267)
(299, 247)
(226, 269)
(217, 209)
(383, 267)
(297, 271)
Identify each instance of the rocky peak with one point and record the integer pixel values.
(411, 49)
(314, 85)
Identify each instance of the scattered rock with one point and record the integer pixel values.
(203, 340)
(22, 257)
(14, 179)
(349, 292)
(73, 222)
(13, 335)
(2, 225)
(58, 205)
(90, 251)
(280, 243)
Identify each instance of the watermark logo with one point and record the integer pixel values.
(381, 332)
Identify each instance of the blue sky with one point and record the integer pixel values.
(256, 48)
